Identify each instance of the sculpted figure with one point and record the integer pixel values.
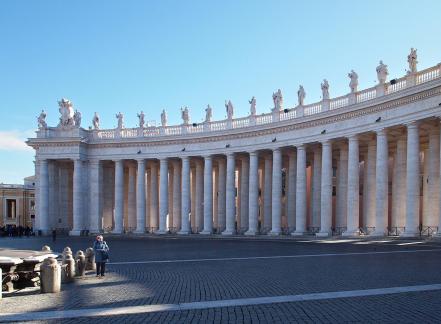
(382, 72)
(77, 118)
(164, 118)
(301, 94)
(230, 109)
(67, 113)
(325, 89)
(42, 120)
(278, 100)
(185, 115)
(208, 114)
(96, 121)
(412, 60)
(252, 102)
(120, 118)
(353, 84)
(141, 119)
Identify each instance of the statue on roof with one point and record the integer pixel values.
(252, 102)
(164, 118)
(185, 115)
(353, 84)
(412, 60)
(229, 108)
(278, 100)
(301, 94)
(382, 72)
(208, 114)
(120, 118)
(141, 117)
(96, 121)
(42, 120)
(77, 118)
(325, 89)
(67, 113)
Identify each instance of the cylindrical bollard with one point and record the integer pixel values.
(68, 268)
(90, 259)
(50, 276)
(80, 264)
(66, 251)
(46, 248)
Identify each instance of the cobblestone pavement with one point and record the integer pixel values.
(313, 266)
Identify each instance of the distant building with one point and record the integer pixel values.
(17, 203)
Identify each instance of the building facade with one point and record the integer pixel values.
(366, 163)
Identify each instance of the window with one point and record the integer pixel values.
(11, 208)
(32, 204)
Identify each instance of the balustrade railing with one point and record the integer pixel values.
(339, 102)
(396, 85)
(366, 95)
(312, 109)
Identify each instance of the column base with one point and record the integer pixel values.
(160, 232)
(75, 233)
(410, 234)
(183, 232)
(323, 234)
(352, 233)
(378, 234)
(205, 233)
(227, 232)
(117, 231)
(138, 232)
(250, 233)
(298, 233)
(95, 231)
(274, 233)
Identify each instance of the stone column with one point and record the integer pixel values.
(95, 206)
(382, 183)
(399, 185)
(370, 187)
(353, 188)
(208, 195)
(154, 199)
(177, 216)
(412, 181)
(434, 173)
(291, 196)
(342, 187)
(276, 210)
(222, 195)
(253, 197)
(163, 196)
(43, 181)
(140, 197)
(326, 191)
(267, 200)
(78, 223)
(230, 195)
(199, 208)
(301, 192)
(185, 196)
(244, 193)
(131, 198)
(316, 187)
(119, 196)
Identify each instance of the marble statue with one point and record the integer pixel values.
(96, 121)
(252, 102)
(412, 60)
(382, 72)
(185, 115)
(301, 94)
(353, 84)
(208, 114)
(77, 118)
(325, 89)
(164, 118)
(42, 120)
(120, 118)
(141, 119)
(278, 100)
(67, 113)
(230, 109)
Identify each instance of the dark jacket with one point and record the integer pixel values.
(99, 247)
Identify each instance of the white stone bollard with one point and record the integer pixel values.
(80, 264)
(46, 248)
(66, 251)
(68, 268)
(50, 276)
(90, 259)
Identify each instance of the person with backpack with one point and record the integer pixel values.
(101, 250)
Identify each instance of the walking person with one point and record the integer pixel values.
(101, 250)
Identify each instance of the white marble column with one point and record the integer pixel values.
(77, 207)
(316, 187)
(95, 206)
(434, 175)
(370, 186)
(119, 197)
(412, 181)
(185, 196)
(230, 195)
(199, 207)
(267, 199)
(177, 216)
(291, 195)
(221, 195)
(140, 197)
(342, 187)
(276, 202)
(399, 185)
(154, 197)
(244, 193)
(131, 198)
(208, 195)
(301, 192)
(163, 196)
(253, 196)
(381, 184)
(326, 191)
(353, 188)
(43, 210)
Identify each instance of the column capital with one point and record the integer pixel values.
(353, 138)
(208, 157)
(381, 132)
(230, 154)
(276, 149)
(301, 147)
(94, 162)
(163, 160)
(140, 160)
(253, 153)
(412, 124)
(326, 142)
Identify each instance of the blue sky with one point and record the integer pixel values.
(110, 56)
